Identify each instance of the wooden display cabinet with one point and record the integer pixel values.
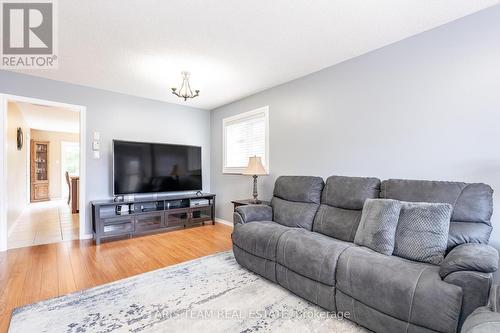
(39, 171)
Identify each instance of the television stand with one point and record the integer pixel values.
(150, 216)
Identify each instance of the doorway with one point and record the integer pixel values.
(41, 142)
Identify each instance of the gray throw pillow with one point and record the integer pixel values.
(377, 227)
(422, 232)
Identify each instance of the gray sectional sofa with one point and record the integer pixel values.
(304, 242)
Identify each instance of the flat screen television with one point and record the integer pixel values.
(140, 167)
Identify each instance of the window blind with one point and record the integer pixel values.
(244, 136)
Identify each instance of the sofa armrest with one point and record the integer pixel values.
(249, 213)
(470, 257)
(475, 290)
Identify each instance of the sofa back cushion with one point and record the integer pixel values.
(296, 200)
(472, 205)
(342, 201)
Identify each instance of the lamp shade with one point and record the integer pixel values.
(255, 167)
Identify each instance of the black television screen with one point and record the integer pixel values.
(153, 167)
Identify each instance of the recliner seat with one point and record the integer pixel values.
(256, 245)
(408, 291)
(308, 259)
(304, 243)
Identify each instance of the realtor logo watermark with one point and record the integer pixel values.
(29, 38)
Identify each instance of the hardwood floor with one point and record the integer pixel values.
(31, 274)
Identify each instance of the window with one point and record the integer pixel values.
(245, 135)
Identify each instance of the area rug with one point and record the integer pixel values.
(210, 294)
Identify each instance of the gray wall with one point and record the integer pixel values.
(427, 107)
(118, 116)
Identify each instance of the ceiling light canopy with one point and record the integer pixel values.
(185, 89)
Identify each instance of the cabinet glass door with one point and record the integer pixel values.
(179, 217)
(41, 169)
(150, 221)
(201, 214)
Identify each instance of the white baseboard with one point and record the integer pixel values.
(226, 222)
(13, 225)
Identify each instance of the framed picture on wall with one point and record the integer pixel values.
(20, 139)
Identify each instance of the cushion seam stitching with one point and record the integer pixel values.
(413, 298)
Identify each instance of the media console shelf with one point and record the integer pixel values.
(150, 216)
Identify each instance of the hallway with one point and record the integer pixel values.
(43, 223)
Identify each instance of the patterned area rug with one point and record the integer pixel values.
(210, 294)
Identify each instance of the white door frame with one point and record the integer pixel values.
(4, 99)
(27, 144)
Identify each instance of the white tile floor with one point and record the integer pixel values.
(43, 223)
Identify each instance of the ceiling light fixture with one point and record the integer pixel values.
(185, 89)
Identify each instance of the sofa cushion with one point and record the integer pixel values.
(422, 231)
(377, 228)
(296, 200)
(409, 291)
(472, 205)
(337, 222)
(293, 214)
(259, 238)
(341, 204)
(373, 319)
(468, 232)
(349, 192)
(299, 188)
(310, 254)
(261, 266)
(312, 290)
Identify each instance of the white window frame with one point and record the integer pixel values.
(241, 117)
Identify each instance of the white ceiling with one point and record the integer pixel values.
(49, 118)
(232, 48)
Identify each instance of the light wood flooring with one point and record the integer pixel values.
(43, 223)
(35, 273)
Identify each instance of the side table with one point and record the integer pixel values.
(245, 202)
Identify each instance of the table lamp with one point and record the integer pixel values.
(255, 169)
